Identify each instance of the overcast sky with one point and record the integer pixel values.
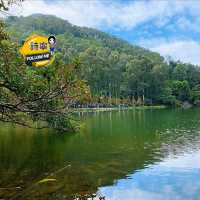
(170, 27)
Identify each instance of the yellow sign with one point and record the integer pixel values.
(38, 50)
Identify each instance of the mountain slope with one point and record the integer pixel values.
(49, 24)
(116, 71)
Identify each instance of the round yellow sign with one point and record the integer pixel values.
(38, 50)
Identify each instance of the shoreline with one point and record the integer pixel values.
(97, 109)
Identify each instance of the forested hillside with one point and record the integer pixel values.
(116, 71)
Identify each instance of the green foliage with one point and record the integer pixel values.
(181, 90)
(113, 68)
(167, 97)
(40, 97)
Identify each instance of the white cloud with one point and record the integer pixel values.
(185, 50)
(188, 25)
(185, 161)
(126, 16)
(95, 13)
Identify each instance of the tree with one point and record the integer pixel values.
(166, 96)
(181, 90)
(37, 98)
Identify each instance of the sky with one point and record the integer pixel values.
(170, 27)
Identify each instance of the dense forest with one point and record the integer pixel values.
(116, 71)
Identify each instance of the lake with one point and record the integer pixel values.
(118, 155)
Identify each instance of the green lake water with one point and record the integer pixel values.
(119, 155)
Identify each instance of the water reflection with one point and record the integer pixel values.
(173, 178)
(128, 153)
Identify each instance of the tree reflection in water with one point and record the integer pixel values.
(112, 146)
